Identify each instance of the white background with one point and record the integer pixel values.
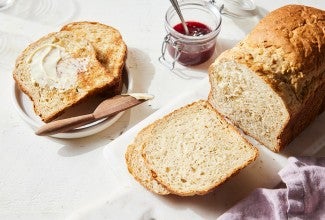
(48, 178)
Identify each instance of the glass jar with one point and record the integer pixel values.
(190, 49)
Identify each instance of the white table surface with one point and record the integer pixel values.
(49, 178)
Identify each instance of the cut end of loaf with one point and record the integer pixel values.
(248, 102)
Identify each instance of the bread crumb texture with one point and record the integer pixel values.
(101, 72)
(137, 167)
(193, 150)
(272, 83)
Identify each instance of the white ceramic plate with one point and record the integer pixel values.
(25, 109)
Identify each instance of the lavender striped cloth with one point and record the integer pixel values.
(303, 197)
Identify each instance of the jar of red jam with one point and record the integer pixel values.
(203, 21)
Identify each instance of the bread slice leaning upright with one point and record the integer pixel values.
(194, 149)
(58, 71)
(272, 83)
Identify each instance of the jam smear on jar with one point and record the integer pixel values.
(190, 53)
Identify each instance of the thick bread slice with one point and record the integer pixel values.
(49, 101)
(109, 45)
(137, 167)
(194, 149)
(272, 84)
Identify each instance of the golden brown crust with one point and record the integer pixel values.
(51, 102)
(111, 51)
(107, 41)
(287, 50)
(298, 122)
(170, 116)
(288, 47)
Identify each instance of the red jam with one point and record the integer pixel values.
(194, 28)
(193, 53)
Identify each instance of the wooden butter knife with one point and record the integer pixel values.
(105, 109)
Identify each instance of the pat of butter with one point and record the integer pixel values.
(50, 65)
(140, 96)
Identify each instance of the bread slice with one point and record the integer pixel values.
(194, 149)
(137, 167)
(77, 56)
(272, 83)
(109, 46)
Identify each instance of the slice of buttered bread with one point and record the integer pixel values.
(108, 43)
(59, 71)
(137, 166)
(193, 150)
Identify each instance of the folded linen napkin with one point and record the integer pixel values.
(303, 197)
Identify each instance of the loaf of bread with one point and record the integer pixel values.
(272, 83)
(66, 68)
(109, 46)
(189, 151)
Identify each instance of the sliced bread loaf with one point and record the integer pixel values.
(272, 84)
(59, 71)
(109, 46)
(137, 167)
(193, 150)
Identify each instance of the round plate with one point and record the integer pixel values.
(25, 109)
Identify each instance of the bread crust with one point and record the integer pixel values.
(298, 122)
(210, 188)
(47, 101)
(110, 48)
(136, 165)
(287, 51)
(106, 81)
